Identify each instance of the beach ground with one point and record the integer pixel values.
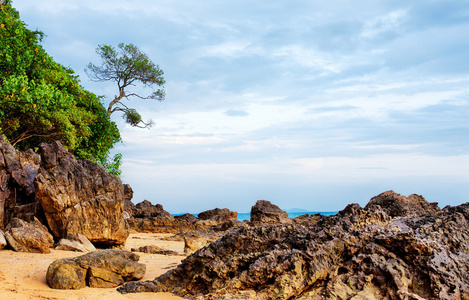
(23, 275)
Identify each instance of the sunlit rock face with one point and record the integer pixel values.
(79, 196)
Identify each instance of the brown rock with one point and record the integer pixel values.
(357, 254)
(75, 242)
(78, 196)
(152, 249)
(396, 205)
(28, 237)
(264, 212)
(17, 172)
(102, 269)
(3, 241)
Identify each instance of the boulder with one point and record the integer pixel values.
(3, 241)
(396, 205)
(28, 237)
(79, 196)
(264, 213)
(100, 269)
(218, 219)
(75, 242)
(17, 172)
(357, 254)
(152, 249)
(190, 218)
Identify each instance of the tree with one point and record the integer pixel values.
(127, 67)
(42, 101)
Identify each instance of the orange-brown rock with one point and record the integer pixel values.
(79, 196)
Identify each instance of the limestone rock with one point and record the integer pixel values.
(75, 242)
(28, 237)
(264, 212)
(372, 253)
(79, 196)
(101, 269)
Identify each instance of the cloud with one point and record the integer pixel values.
(289, 101)
(236, 113)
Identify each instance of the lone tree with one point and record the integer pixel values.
(128, 66)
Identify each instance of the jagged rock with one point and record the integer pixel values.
(264, 212)
(3, 241)
(219, 219)
(79, 196)
(101, 269)
(194, 240)
(28, 237)
(17, 172)
(190, 218)
(152, 249)
(396, 205)
(75, 242)
(360, 253)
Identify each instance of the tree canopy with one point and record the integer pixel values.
(128, 66)
(41, 100)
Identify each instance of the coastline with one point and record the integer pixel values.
(291, 215)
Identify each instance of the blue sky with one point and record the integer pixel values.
(309, 104)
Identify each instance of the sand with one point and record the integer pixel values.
(23, 275)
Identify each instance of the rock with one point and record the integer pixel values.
(3, 241)
(189, 218)
(75, 242)
(145, 209)
(101, 269)
(28, 237)
(264, 212)
(17, 172)
(396, 205)
(152, 249)
(219, 219)
(360, 253)
(79, 196)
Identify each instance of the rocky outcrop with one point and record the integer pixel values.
(101, 269)
(376, 252)
(75, 242)
(28, 237)
(79, 196)
(264, 212)
(17, 172)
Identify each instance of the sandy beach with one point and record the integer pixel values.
(23, 275)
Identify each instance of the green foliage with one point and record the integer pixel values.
(41, 101)
(128, 66)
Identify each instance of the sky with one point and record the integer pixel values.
(307, 104)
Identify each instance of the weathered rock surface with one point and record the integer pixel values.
(152, 249)
(361, 253)
(100, 269)
(78, 196)
(264, 212)
(3, 241)
(75, 242)
(17, 172)
(28, 237)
